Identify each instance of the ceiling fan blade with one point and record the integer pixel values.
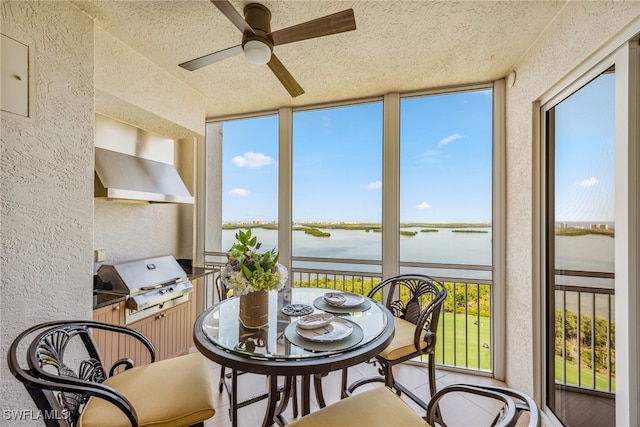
(325, 26)
(194, 64)
(285, 77)
(233, 15)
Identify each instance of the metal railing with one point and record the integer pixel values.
(465, 327)
(585, 334)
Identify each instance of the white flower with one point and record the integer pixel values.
(234, 279)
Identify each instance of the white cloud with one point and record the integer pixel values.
(252, 160)
(589, 182)
(449, 139)
(423, 205)
(375, 185)
(239, 192)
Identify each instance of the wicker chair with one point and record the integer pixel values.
(415, 301)
(63, 372)
(380, 407)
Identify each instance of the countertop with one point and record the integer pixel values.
(105, 298)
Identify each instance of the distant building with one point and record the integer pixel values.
(563, 225)
(599, 226)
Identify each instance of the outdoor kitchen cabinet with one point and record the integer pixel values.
(109, 342)
(170, 331)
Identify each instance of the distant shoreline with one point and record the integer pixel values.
(313, 228)
(354, 225)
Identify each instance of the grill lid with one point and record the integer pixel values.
(142, 275)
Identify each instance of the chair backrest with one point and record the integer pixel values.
(221, 289)
(514, 404)
(62, 368)
(415, 298)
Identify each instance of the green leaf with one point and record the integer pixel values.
(247, 272)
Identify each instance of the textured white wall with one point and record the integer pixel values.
(134, 90)
(46, 178)
(580, 29)
(162, 103)
(135, 230)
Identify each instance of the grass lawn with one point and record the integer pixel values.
(456, 354)
(471, 353)
(586, 376)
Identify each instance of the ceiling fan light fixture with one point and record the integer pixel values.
(257, 52)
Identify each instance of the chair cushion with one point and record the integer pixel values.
(173, 392)
(402, 343)
(375, 407)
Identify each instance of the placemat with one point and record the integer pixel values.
(321, 304)
(350, 341)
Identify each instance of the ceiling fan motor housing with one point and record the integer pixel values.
(259, 19)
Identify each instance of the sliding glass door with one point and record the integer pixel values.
(581, 371)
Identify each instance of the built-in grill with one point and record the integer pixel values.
(151, 285)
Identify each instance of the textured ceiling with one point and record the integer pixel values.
(397, 46)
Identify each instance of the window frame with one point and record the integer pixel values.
(210, 171)
(623, 52)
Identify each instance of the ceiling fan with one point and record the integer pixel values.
(258, 40)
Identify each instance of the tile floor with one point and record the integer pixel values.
(458, 409)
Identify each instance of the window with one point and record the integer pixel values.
(335, 192)
(446, 171)
(445, 178)
(337, 187)
(250, 179)
(580, 254)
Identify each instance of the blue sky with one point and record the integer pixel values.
(446, 160)
(337, 162)
(584, 169)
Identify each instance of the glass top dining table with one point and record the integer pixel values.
(280, 349)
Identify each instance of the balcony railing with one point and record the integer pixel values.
(585, 334)
(465, 328)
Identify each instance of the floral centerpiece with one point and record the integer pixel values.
(249, 271)
(251, 275)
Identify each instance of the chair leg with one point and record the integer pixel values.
(221, 382)
(343, 384)
(294, 396)
(432, 374)
(388, 378)
(233, 404)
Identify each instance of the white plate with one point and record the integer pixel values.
(343, 299)
(337, 330)
(316, 320)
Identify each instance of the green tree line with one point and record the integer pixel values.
(597, 344)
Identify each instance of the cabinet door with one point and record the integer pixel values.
(151, 328)
(177, 329)
(109, 343)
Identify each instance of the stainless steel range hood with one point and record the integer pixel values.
(123, 176)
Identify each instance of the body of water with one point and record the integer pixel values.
(582, 253)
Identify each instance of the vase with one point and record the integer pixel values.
(254, 309)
